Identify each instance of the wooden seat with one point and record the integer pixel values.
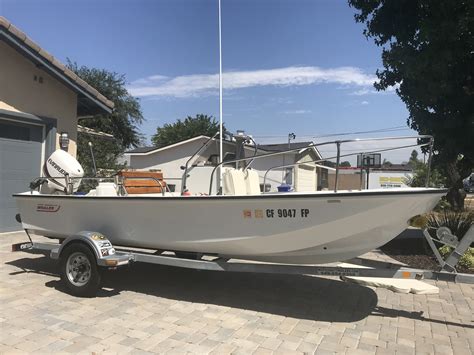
(142, 185)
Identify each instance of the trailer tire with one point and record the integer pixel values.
(79, 270)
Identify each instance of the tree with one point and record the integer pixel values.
(427, 52)
(106, 152)
(420, 171)
(121, 123)
(188, 128)
(419, 177)
(413, 157)
(413, 162)
(386, 163)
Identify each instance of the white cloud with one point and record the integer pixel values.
(364, 102)
(296, 112)
(372, 91)
(364, 91)
(149, 80)
(207, 84)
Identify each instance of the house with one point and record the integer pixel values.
(40, 104)
(303, 177)
(170, 159)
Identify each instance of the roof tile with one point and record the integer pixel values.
(71, 74)
(60, 65)
(47, 56)
(81, 82)
(102, 97)
(21, 35)
(4, 22)
(32, 44)
(94, 92)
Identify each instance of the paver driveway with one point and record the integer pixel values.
(158, 309)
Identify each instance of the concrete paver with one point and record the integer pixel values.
(154, 309)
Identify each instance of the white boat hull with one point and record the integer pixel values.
(318, 227)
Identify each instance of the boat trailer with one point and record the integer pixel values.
(83, 258)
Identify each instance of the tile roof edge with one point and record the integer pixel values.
(20, 35)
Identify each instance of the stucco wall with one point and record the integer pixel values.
(47, 99)
(345, 181)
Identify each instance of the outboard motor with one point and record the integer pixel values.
(58, 165)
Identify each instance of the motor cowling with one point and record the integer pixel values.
(60, 164)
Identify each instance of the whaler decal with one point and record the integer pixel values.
(42, 207)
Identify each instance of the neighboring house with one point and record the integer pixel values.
(40, 100)
(303, 177)
(171, 158)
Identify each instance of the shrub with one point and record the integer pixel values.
(418, 221)
(458, 222)
(467, 260)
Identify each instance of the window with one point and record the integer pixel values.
(323, 182)
(289, 176)
(21, 132)
(229, 157)
(214, 158)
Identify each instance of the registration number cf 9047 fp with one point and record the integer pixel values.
(287, 213)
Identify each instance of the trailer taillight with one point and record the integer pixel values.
(111, 262)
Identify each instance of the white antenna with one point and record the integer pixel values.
(220, 95)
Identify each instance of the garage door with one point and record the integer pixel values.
(20, 162)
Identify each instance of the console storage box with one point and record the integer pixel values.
(144, 182)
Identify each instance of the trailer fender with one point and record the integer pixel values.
(97, 242)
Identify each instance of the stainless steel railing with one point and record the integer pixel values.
(347, 155)
(338, 156)
(186, 167)
(310, 162)
(119, 181)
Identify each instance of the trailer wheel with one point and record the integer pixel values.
(79, 271)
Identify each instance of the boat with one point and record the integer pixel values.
(296, 228)
(313, 227)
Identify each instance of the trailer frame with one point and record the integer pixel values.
(106, 256)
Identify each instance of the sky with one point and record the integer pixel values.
(290, 66)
